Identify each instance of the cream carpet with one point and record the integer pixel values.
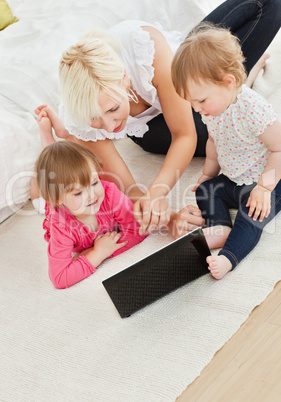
(71, 345)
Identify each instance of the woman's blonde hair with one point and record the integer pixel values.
(62, 165)
(208, 53)
(87, 69)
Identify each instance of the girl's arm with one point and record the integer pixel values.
(259, 200)
(65, 270)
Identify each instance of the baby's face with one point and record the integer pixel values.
(208, 98)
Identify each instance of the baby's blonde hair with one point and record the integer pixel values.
(87, 69)
(208, 53)
(62, 165)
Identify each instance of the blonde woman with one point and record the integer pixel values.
(109, 92)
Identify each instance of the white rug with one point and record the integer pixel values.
(71, 345)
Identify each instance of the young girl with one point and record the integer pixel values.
(244, 144)
(110, 91)
(87, 220)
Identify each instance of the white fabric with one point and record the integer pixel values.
(137, 55)
(71, 345)
(39, 205)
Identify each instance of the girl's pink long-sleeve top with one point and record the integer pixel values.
(67, 235)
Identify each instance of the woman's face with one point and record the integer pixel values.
(114, 114)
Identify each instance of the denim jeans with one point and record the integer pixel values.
(216, 196)
(255, 23)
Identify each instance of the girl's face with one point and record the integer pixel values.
(84, 201)
(114, 114)
(208, 98)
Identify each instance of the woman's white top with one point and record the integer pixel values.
(137, 55)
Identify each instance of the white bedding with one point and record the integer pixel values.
(29, 55)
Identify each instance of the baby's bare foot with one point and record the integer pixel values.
(218, 265)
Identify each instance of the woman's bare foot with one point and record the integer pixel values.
(260, 65)
(219, 265)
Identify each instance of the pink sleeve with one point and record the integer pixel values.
(122, 207)
(63, 270)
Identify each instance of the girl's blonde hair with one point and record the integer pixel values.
(62, 165)
(87, 69)
(208, 53)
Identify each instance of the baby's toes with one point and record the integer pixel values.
(211, 261)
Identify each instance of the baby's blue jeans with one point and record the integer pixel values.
(215, 197)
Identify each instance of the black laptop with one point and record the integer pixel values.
(158, 274)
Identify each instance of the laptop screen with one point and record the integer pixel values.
(158, 274)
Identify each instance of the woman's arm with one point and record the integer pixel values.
(114, 169)
(178, 116)
(122, 208)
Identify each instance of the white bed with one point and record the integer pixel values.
(30, 50)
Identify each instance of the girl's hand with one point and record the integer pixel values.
(106, 244)
(103, 246)
(151, 213)
(185, 220)
(201, 180)
(259, 203)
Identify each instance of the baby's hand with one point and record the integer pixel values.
(106, 244)
(201, 180)
(259, 203)
(185, 220)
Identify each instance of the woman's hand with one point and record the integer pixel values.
(259, 203)
(185, 220)
(151, 213)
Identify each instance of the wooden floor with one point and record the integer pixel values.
(248, 367)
